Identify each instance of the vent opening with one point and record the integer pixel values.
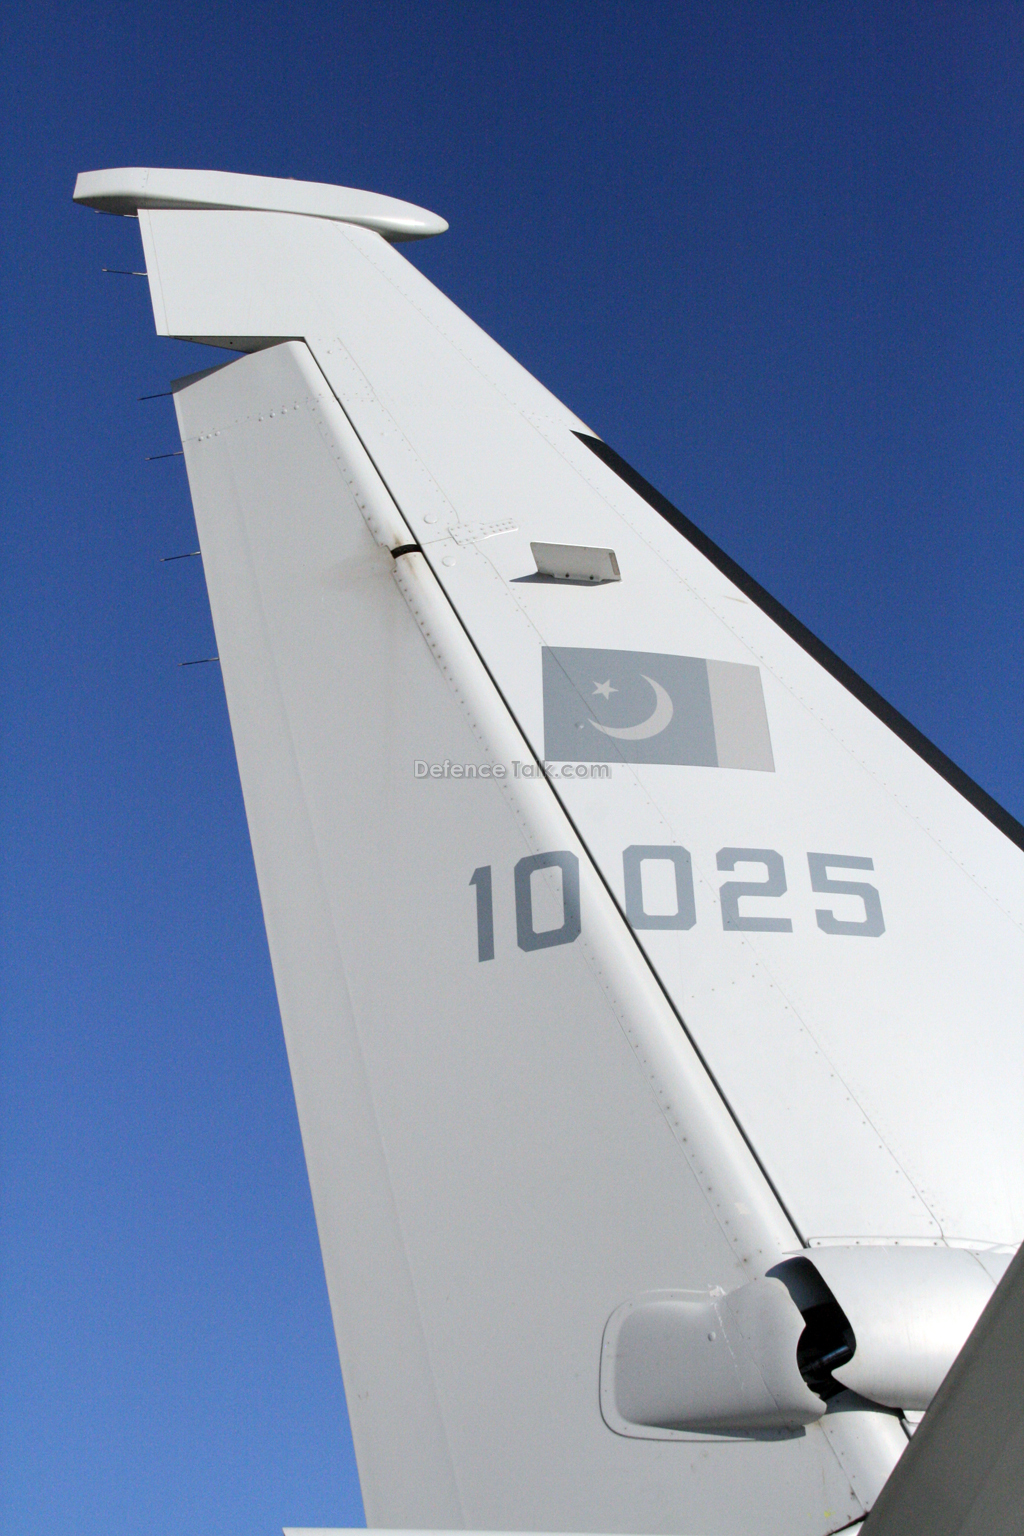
(826, 1343)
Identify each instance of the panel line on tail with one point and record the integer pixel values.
(645, 960)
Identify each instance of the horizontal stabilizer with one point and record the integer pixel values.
(127, 190)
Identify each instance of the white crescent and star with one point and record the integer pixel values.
(655, 723)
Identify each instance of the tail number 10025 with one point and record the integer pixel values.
(565, 871)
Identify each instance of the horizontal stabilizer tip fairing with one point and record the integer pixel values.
(651, 1003)
(126, 191)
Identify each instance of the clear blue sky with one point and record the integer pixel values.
(771, 252)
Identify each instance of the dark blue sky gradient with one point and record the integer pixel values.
(770, 252)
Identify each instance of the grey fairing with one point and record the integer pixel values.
(678, 1361)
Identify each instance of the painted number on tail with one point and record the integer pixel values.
(528, 935)
(736, 918)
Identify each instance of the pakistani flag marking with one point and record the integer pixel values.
(642, 707)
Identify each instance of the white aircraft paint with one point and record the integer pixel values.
(517, 1128)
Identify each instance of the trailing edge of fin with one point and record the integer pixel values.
(840, 670)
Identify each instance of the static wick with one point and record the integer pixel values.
(200, 662)
(160, 395)
(123, 272)
(186, 556)
(175, 455)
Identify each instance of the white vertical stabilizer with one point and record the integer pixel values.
(592, 1058)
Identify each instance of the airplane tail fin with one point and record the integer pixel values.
(651, 998)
